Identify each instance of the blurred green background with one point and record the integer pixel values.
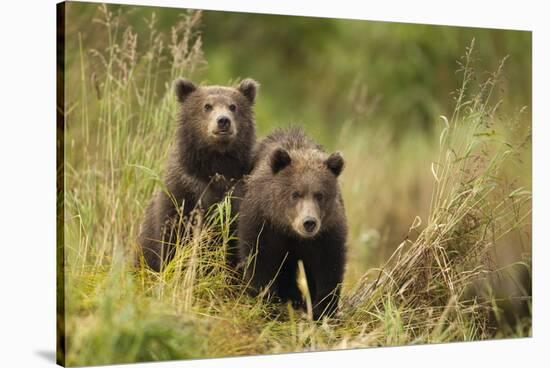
(316, 71)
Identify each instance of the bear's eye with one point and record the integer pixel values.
(295, 195)
(318, 197)
(207, 107)
(232, 108)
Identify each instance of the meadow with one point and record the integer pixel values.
(439, 218)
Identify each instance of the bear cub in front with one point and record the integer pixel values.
(293, 210)
(211, 153)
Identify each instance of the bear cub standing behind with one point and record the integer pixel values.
(292, 211)
(212, 151)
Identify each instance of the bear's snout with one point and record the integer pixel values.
(224, 124)
(306, 221)
(310, 224)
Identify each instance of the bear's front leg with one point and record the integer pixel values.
(324, 273)
(262, 270)
(287, 286)
(326, 301)
(264, 258)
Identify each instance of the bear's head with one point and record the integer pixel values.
(218, 117)
(305, 188)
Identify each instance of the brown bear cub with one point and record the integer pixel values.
(293, 210)
(212, 151)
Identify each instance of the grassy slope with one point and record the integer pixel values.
(433, 288)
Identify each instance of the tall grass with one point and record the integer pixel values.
(436, 278)
(120, 116)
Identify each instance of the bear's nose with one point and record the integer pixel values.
(310, 224)
(223, 123)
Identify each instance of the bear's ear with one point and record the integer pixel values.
(279, 160)
(249, 87)
(183, 87)
(335, 163)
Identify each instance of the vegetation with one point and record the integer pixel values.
(462, 190)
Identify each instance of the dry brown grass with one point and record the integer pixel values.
(436, 279)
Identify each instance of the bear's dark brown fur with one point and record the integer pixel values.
(211, 153)
(292, 211)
